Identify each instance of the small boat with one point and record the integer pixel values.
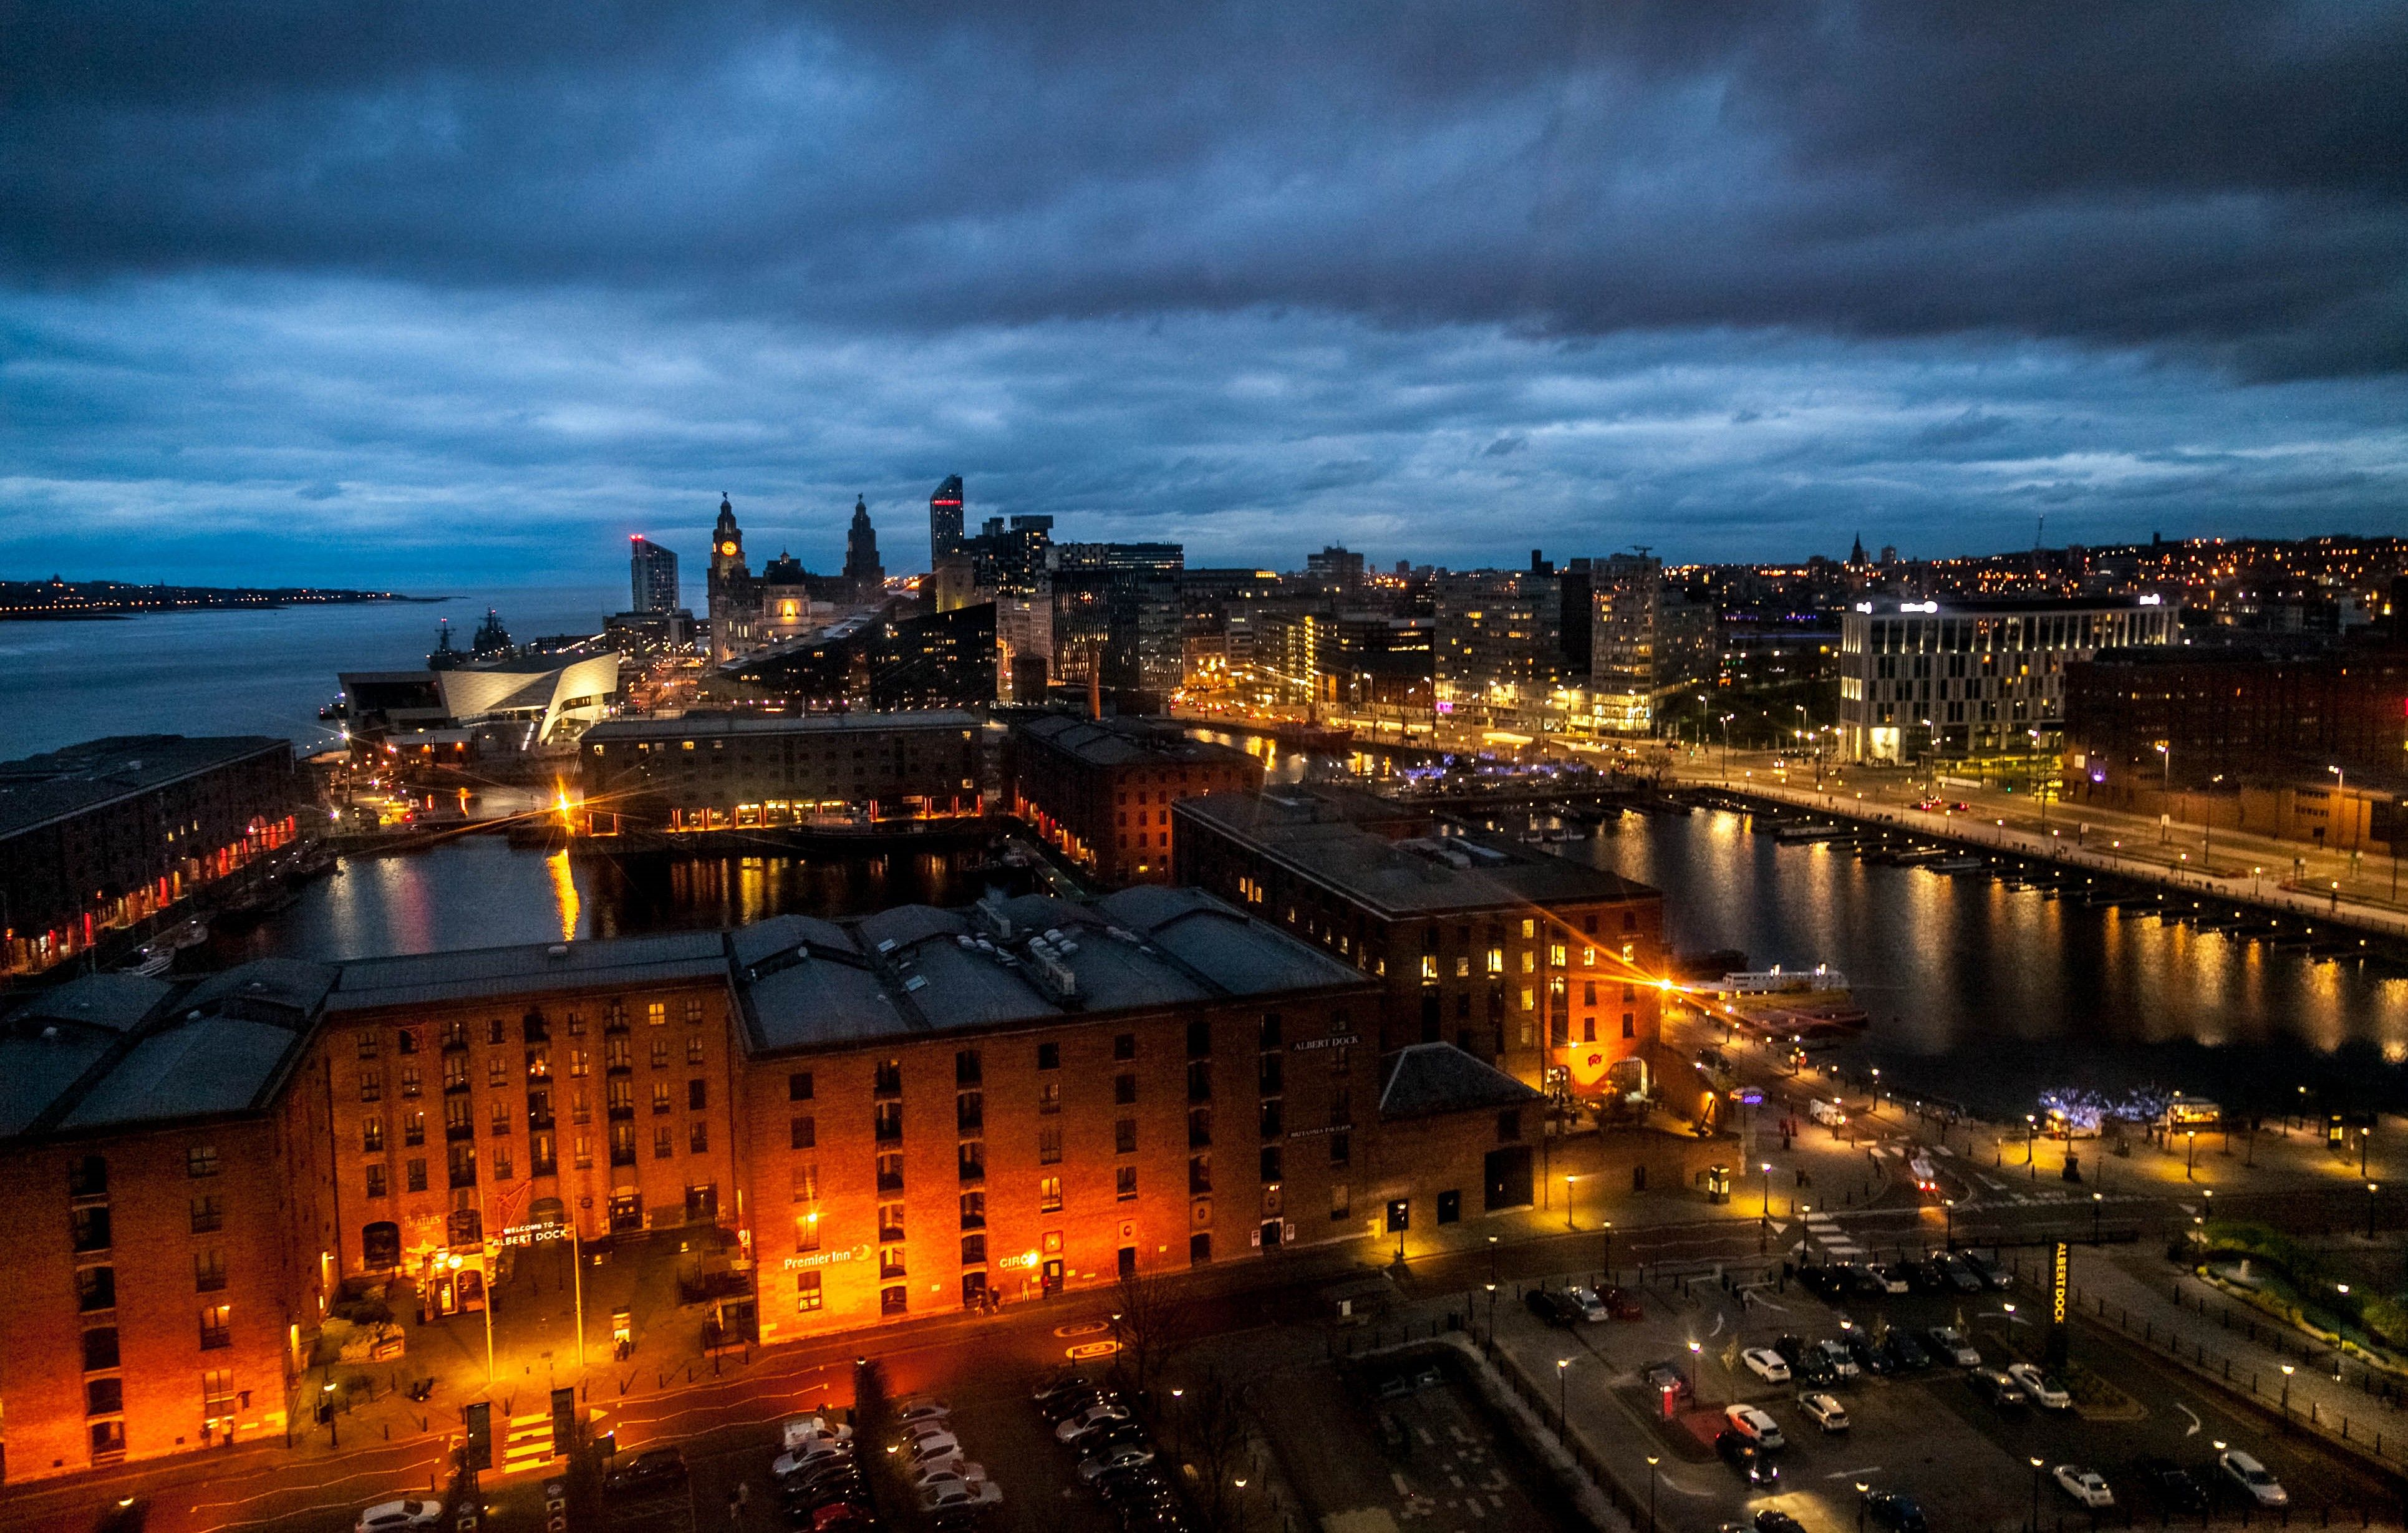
(1959, 863)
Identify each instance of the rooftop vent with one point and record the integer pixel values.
(558, 950)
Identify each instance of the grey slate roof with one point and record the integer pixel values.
(1424, 1078)
(78, 779)
(430, 978)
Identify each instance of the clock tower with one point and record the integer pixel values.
(730, 588)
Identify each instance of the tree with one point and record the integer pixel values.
(1153, 1320)
(1214, 1437)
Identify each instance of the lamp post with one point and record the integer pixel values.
(2035, 1517)
(1563, 1395)
(1570, 1181)
(2031, 1142)
(333, 1431)
(1492, 1315)
(2363, 1135)
(1948, 1215)
(1696, 1373)
(2372, 1188)
(1764, 1221)
(1652, 1461)
(2190, 1153)
(1862, 1491)
(2286, 1388)
(1608, 1227)
(2097, 1211)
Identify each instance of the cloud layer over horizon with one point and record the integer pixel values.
(460, 293)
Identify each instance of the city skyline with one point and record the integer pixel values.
(413, 305)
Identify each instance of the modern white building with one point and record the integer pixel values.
(1974, 677)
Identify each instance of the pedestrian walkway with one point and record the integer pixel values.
(2282, 1369)
(1825, 1231)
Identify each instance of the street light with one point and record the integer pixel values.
(2035, 1521)
(1563, 1395)
(1652, 1461)
(1492, 1315)
(1948, 1214)
(1862, 1490)
(1696, 1378)
(2031, 1139)
(1608, 1227)
(2097, 1209)
(1568, 1180)
(2286, 1387)
(2190, 1153)
(1764, 1223)
(2372, 1188)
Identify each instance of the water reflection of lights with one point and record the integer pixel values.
(563, 894)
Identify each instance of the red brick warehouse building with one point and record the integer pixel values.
(1101, 790)
(1550, 969)
(891, 1116)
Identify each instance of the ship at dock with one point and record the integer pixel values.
(1805, 1004)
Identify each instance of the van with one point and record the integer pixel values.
(1830, 1114)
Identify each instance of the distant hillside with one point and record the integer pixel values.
(55, 599)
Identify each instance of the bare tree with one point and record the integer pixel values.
(1153, 1319)
(1213, 1435)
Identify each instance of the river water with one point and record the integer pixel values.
(1978, 994)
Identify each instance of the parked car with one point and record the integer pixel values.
(2086, 1485)
(1665, 1374)
(1868, 1357)
(399, 1516)
(1771, 1520)
(1120, 1456)
(1101, 1414)
(1060, 1404)
(927, 1449)
(127, 1514)
(795, 1431)
(2252, 1478)
(1555, 1307)
(1591, 1306)
(941, 1470)
(1926, 1276)
(2176, 1488)
(1819, 1277)
(1906, 1355)
(1988, 1269)
(919, 1407)
(815, 1450)
(987, 1493)
(1622, 1304)
(1894, 1513)
(2039, 1387)
(1864, 1282)
(1752, 1463)
(1807, 1364)
(1753, 1425)
(1893, 1276)
(655, 1468)
(1765, 1364)
(1960, 1276)
(1824, 1409)
(1998, 1389)
(1841, 1362)
(1949, 1345)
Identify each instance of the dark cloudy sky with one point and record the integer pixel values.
(448, 291)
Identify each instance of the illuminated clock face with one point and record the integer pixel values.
(727, 548)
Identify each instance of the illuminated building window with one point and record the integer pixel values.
(1049, 1194)
(1463, 967)
(1124, 1182)
(583, 1152)
(1529, 961)
(895, 1300)
(410, 1079)
(414, 1127)
(660, 1097)
(1588, 957)
(1496, 960)
(1429, 967)
(217, 1327)
(806, 1182)
(1049, 1094)
(1529, 999)
(807, 1292)
(371, 1135)
(694, 1054)
(656, 1013)
(201, 1160)
(1555, 954)
(890, 1172)
(890, 1222)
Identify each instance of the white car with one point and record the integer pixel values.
(1890, 1277)
(1824, 1409)
(932, 1449)
(1830, 1114)
(919, 1407)
(1591, 1307)
(399, 1516)
(1765, 1364)
(1753, 1425)
(815, 1450)
(2087, 1486)
(939, 1471)
(1094, 1418)
(2039, 1387)
(798, 1431)
(1127, 1456)
(2251, 1476)
(1835, 1352)
(962, 1497)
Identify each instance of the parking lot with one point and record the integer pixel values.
(1927, 1434)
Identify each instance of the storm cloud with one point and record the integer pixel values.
(479, 286)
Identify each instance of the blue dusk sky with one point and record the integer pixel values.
(443, 293)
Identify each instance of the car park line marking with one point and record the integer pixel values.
(1851, 1474)
(2191, 1430)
